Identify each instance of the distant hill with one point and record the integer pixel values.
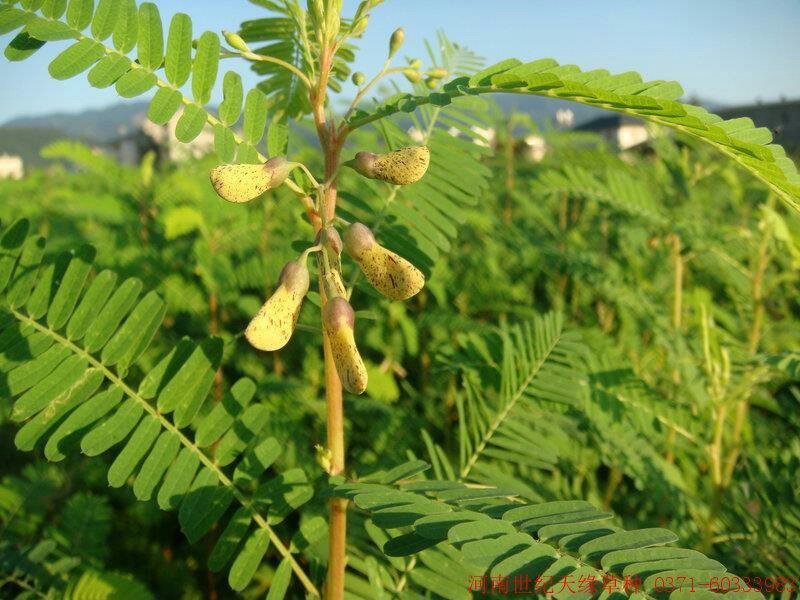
(100, 125)
(27, 135)
(27, 142)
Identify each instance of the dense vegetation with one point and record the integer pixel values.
(600, 362)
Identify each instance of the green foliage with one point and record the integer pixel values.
(68, 346)
(604, 342)
(655, 101)
(498, 536)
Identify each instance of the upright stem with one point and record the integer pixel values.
(335, 414)
(331, 143)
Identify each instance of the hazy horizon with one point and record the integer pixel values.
(727, 52)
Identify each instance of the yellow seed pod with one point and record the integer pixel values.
(390, 274)
(401, 167)
(242, 183)
(274, 323)
(338, 319)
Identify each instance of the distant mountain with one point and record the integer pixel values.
(27, 135)
(99, 125)
(27, 142)
(543, 110)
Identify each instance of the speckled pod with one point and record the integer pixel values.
(242, 183)
(338, 319)
(274, 323)
(390, 274)
(400, 167)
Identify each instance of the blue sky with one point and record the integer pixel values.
(728, 51)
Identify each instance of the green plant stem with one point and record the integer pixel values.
(331, 145)
(385, 70)
(281, 63)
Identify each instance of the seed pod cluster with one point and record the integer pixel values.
(390, 274)
(242, 183)
(274, 323)
(401, 167)
(338, 318)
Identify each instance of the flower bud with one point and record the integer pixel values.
(412, 75)
(390, 274)
(396, 41)
(431, 83)
(235, 40)
(338, 319)
(415, 63)
(242, 183)
(437, 73)
(274, 323)
(358, 78)
(401, 167)
(359, 27)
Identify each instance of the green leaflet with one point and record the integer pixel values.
(231, 106)
(113, 430)
(35, 428)
(222, 416)
(108, 70)
(134, 451)
(135, 83)
(47, 30)
(66, 297)
(112, 313)
(255, 116)
(76, 59)
(280, 581)
(243, 432)
(178, 479)
(135, 335)
(126, 31)
(105, 18)
(79, 13)
(178, 60)
(22, 46)
(89, 412)
(229, 539)
(206, 502)
(190, 123)
(12, 18)
(20, 289)
(164, 105)
(150, 47)
(204, 68)
(155, 465)
(246, 563)
(224, 143)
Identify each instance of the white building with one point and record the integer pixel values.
(11, 167)
(535, 147)
(620, 130)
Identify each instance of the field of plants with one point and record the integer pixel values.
(595, 394)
